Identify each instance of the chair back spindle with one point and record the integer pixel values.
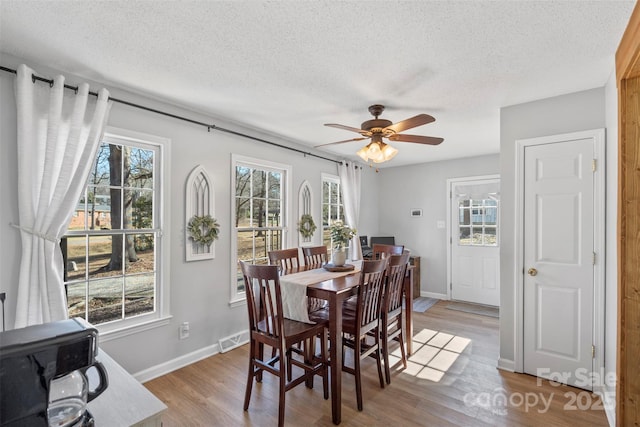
(396, 272)
(263, 289)
(315, 255)
(287, 259)
(370, 292)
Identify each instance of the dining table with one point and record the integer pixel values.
(335, 287)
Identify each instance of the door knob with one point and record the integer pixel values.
(532, 271)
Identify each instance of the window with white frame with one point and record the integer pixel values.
(113, 248)
(478, 222)
(260, 216)
(332, 205)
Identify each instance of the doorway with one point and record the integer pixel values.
(560, 257)
(474, 252)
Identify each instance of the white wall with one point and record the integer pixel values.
(424, 187)
(567, 113)
(199, 290)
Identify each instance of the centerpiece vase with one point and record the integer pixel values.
(339, 256)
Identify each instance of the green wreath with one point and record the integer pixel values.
(203, 229)
(306, 226)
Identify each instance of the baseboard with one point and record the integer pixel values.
(506, 365)
(177, 363)
(433, 295)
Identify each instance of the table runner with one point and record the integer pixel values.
(293, 288)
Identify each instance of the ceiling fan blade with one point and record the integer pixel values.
(352, 129)
(419, 120)
(340, 142)
(416, 138)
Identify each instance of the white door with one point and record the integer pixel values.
(558, 260)
(475, 254)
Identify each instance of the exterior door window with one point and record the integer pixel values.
(478, 222)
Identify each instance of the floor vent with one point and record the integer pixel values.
(233, 341)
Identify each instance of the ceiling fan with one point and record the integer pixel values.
(377, 129)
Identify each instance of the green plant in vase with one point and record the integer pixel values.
(341, 235)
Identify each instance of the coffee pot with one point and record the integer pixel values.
(43, 374)
(69, 395)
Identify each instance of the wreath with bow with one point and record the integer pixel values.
(306, 226)
(203, 229)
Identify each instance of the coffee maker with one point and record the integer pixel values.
(43, 374)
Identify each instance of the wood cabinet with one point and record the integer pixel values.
(415, 262)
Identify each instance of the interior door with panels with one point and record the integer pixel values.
(559, 260)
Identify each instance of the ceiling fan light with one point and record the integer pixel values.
(389, 152)
(376, 154)
(373, 150)
(379, 159)
(363, 153)
(385, 153)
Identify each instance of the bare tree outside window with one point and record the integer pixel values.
(109, 250)
(258, 213)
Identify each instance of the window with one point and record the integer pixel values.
(478, 222)
(260, 213)
(113, 247)
(332, 207)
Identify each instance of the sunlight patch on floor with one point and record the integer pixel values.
(413, 369)
(433, 355)
(457, 344)
(430, 374)
(424, 354)
(443, 360)
(424, 335)
(440, 340)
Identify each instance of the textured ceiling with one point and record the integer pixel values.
(288, 67)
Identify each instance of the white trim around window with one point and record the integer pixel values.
(331, 179)
(239, 298)
(162, 314)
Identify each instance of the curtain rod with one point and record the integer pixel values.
(186, 119)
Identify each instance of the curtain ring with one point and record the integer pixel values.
(33, 78)
(51, 83)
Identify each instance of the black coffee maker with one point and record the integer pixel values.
(43, 374)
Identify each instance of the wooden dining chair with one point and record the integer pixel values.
(367, 319)
(361, 321)
(315, 255)
(391, 326)
(268, 327)
(380, 250)
(287, 259)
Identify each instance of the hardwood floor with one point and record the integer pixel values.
(451, 381)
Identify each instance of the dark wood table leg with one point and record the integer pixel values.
(408, 304)
(335, 353)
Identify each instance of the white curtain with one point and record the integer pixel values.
(58, 136)
(350, 174)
